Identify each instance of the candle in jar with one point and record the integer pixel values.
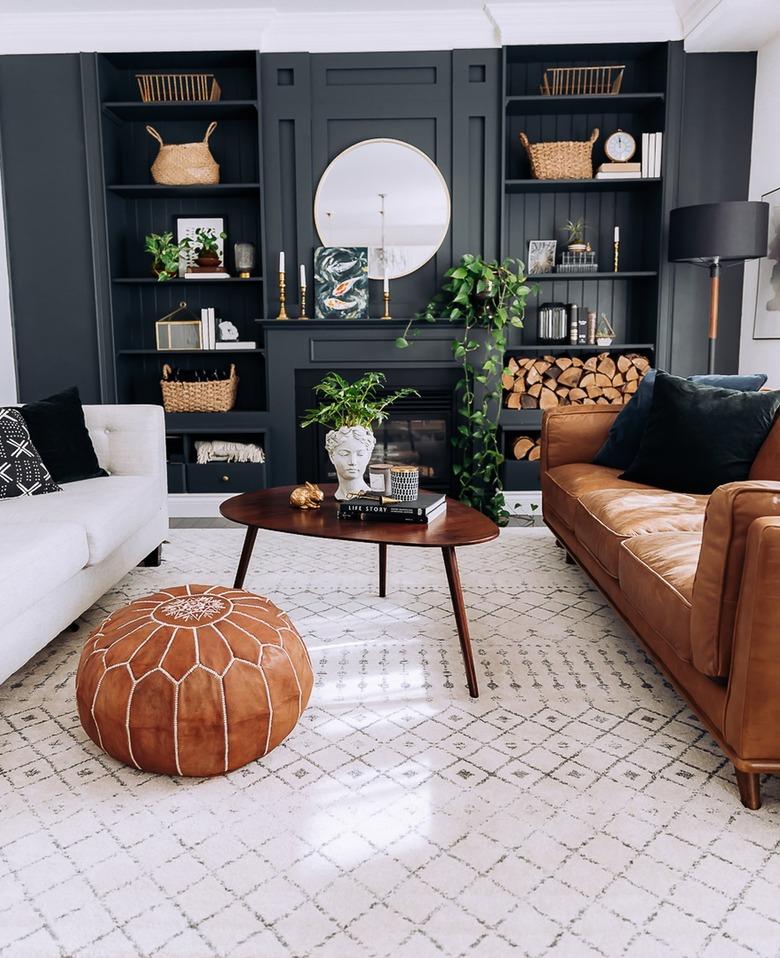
(281, 262)
(303, 275)
(617, 234)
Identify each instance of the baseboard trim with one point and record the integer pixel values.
(195, 505)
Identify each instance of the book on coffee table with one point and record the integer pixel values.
(425, 508)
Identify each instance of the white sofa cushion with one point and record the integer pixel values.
(110, 509)
(35, 559)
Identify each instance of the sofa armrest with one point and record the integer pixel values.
(752, 721)
(574, 433)
(731, 511)
(129, 440)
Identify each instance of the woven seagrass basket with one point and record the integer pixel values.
(561, 159)
(185, 164)
(211, 396)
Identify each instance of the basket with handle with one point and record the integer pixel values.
(213, 395)
(561, 159)
(185, 164)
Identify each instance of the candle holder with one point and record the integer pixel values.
(386, 298)
(282, 298)
(616, 247)
(303, 303)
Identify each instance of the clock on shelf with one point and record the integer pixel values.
(620, 146)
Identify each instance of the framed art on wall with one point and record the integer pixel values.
(766, 324)
(341, 282)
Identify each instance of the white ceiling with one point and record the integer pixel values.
(322, 25)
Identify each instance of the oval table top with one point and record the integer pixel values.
(270, 509)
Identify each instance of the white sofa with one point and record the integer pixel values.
(60, 552)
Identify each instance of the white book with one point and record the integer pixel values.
(651, 156)
(204, 328)
(207, 275)
(645, 152)
(618, 176)
(659, 140)
(212, 328)
(237, 344)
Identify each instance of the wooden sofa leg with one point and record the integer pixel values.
(153, 559)
(749, 784)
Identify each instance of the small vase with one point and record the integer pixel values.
(210, 260)
(349, 449)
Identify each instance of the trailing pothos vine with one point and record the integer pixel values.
(487, 296)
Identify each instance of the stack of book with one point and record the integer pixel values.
(652, 145)
(619, 171)
(425, 508)
(206, 272)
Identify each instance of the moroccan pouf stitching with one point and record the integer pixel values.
(193, 680)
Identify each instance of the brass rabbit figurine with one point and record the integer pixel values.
(307, 496)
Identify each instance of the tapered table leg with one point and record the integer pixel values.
(382, 570)
(246, 555)
(459, 608)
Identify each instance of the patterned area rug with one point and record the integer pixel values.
(576, 808)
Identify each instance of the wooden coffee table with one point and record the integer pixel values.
(459, 526)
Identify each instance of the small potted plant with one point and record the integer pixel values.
(576, 230)
(207, 248)
(348, 411)
(165, 254)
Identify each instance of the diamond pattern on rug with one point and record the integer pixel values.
(576, 808)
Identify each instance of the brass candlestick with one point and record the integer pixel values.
(616, 246)
(386, 298)
(282, 310)
(303, 303)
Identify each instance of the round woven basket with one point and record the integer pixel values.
(561, 159)
(211, 396)
(184, 164)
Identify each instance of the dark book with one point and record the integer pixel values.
(363, 515)
(425, 503)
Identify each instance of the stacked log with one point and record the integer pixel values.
(526, 447)
(540, 382)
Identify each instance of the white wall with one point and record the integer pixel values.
(762, 355)
(7, 364)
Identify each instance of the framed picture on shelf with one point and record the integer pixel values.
(541, 256)
(766, 324)
(186, 227)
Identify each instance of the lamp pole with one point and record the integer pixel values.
(714, 295)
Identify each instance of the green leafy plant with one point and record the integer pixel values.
(361, 403)
(576, 230)
(487, 298)
(165, 253)
(206, 241)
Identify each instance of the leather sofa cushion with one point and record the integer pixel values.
(563, 486)
(656, 573)
(109, 510)
(35, 559)
(604, 518)
(766, 465)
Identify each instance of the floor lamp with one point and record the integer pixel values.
(715, 235)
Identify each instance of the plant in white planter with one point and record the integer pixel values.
(349, 410)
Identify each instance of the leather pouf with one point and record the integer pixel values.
(193, 680)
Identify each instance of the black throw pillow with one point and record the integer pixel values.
(22, 471)
(60, 435)
(700, 437)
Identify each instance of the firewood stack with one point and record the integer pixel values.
(545, 381)
(527, 447)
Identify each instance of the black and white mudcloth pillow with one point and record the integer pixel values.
(22, 472)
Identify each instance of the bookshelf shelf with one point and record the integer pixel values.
(586, 103)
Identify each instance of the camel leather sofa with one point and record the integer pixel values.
(696, 577)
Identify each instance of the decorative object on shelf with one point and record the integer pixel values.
(584, 262)
(562, 159)
(573, 312)
(245, 256)
(205, 395)
(208, 255)
(652, 148)
(553, 323)
(541, 256)
(766, 322)
(282, 289)
(575, 230)
(227, 332)
(616, 249)
(223, 450)
(386, 298)
(618, 171)
(379, 477)
(541, 382)
(591, 328)
(341, 282)
(582, 81)
(715, 235)
(178, 87)
(179, 329)
(404, 483)
(187, 228)
(604, 333)
(165, 253)
(307, 496)
(184, 164)
(620, 146)
(389, 196)
(303, 292)
(349, 410)
(487, 296)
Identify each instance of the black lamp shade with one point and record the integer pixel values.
(730, 231)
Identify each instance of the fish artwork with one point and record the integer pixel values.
(341, 282)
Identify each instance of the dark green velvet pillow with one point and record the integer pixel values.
(700, 437)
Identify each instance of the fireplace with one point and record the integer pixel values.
(417, 432)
